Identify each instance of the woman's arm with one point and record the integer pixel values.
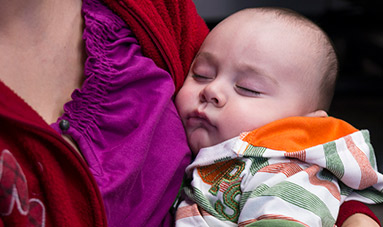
(354, 214)
(361, 220)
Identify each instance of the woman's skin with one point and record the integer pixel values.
(360, 220)
(42, 52)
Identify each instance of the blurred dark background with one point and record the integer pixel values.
(356, 28)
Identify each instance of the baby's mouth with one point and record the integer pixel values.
(198, 119)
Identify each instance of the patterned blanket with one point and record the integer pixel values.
(292, 172)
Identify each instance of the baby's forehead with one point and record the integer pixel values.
(312, 44)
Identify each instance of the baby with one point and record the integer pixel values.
(254, 107)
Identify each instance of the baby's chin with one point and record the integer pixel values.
(199, 139)
(195, 148)
(202, 138)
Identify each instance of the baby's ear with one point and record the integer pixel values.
(318, 113)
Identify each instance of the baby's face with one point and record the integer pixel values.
(242, 79)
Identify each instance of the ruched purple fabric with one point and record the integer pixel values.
(125, 124)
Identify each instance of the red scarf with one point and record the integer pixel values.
(169, 32)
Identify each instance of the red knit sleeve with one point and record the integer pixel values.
(169, 32)
(352, 207)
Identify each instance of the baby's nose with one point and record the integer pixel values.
(213, 94)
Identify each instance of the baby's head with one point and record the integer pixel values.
(256, 66)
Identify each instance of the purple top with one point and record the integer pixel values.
(125, 124)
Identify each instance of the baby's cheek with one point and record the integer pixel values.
(180, 102)
(234, 127)
(230, 130)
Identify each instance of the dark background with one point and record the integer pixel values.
(356, 28)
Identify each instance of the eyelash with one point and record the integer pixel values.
(246, 90)
(200, 78)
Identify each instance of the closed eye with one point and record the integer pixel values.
(246, 91)
(200, 78)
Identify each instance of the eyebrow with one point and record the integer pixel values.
(206, 55)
